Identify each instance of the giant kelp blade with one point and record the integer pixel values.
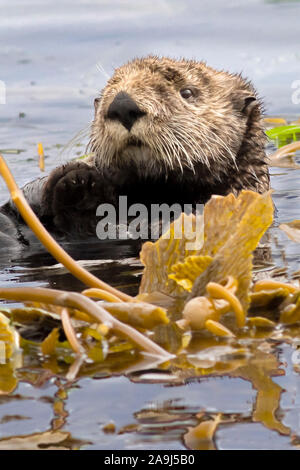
(222, 215)
(233, 227)
(187, 272)
(171, 248)
(221, 218)
(234, 258)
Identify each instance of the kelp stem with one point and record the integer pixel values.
(82, 303)
(41, 156)
(100, 294)
(285, 150)
(70, 332)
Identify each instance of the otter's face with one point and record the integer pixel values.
(160, 115)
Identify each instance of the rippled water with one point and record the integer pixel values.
(55, 57)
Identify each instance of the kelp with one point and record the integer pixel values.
(80, 302)
(159, 258)
(185, 273)
(197, 313)
(205, 312)
(292, 230)
(251, 215)
(259, 372)
(10, 355)
(41, 156)
(9, 339)
(290, 311)
(201, 436)
(210, 249)
(231, 229)
(275, 120)
(284, 157)
(139, 314)
(206, 272)
(49, 440)
(284, 135)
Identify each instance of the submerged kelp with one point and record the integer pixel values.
(287, 140)
(283, 135)
(197, 315)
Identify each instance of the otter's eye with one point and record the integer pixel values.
(186, 93)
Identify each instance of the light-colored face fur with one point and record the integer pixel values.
(177, 131)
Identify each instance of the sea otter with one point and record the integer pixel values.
(164, 131)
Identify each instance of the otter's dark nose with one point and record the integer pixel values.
(125, 110)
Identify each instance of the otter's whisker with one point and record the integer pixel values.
(172, 146)
(101, 69)
(78, 137)
(166, 153)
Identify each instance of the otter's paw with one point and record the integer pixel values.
(74, 186)
(71, 192)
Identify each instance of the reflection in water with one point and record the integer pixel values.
(48, 440)
(172, 421)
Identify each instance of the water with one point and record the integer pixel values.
(55, 58)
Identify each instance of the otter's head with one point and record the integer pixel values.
(159, 115)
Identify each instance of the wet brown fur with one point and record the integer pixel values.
(214, 134)
(180, 150)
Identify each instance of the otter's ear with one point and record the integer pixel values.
(250, 102)
(96, 104)
(245, 102)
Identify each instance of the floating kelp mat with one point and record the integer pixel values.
(199, 314)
